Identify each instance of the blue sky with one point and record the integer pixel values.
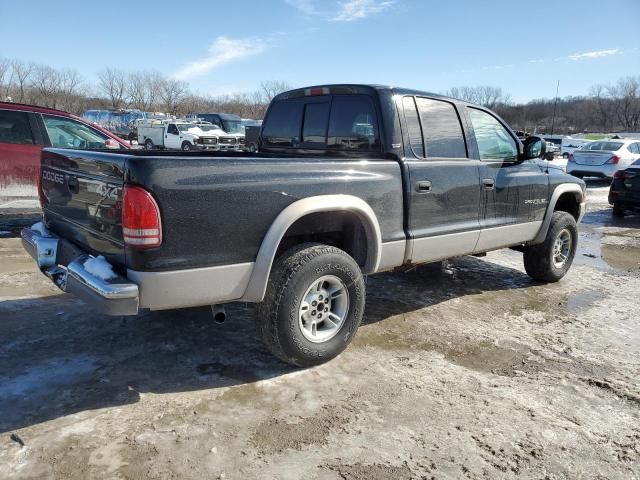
(225, 46)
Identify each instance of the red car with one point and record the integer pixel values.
(24, 130)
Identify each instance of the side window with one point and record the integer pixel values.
(353, 124)
(282, 125)
(172, 129)
(68, 133)
(441, 129)
(413, 126)
(494, 141)
(314, 126)
(635, 147)
(14, 128)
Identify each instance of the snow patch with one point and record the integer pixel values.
(99, 267)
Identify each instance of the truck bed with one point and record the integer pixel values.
(215, 207)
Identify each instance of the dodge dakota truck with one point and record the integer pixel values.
(349, 181)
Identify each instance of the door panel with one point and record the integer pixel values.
(443, 217)
(20, 157)
(514, 193)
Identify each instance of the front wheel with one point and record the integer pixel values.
(550, 260)
(618, 210)
(313, 305)
(186, 146)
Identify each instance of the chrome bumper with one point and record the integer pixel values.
(113, 296)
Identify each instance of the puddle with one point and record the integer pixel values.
(482, 356)
(40, 378)
(609, 252)
(582, 300)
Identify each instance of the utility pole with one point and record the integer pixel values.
(555, 108)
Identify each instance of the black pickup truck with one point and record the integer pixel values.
(349, 180)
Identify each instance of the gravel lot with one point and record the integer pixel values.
(471, 370)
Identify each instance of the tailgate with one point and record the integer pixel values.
(582, 157)
(82, 199)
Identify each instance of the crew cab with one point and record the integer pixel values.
(350, 180)
(24, 130)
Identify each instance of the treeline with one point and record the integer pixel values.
(607, 108)
(150, 91)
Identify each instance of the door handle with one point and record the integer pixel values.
(488, 183)
(423, 186)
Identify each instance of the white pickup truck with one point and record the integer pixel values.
(180, 135)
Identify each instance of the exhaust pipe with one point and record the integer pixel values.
(219, 313)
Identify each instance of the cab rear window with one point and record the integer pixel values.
(339, 123)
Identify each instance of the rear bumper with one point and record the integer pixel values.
(112, 296)
(601, 171)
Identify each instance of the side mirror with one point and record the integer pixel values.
(111, 144)
(534, 147)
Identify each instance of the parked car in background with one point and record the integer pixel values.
(120, 122)
(570, 145)
(252, 137)
(226, 121)
(24, 130)
(624, 193)
(182, 135)
(603, 158)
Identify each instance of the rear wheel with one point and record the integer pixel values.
(148, 144)
(618, 210)
(550, 260)
(313, 305)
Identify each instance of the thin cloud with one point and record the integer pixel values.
(223, 50)
(594, 54)
(342, 11)
(358, 9)
(305, 6)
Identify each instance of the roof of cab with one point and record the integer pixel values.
(354, 87)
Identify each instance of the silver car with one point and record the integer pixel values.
(603, 158)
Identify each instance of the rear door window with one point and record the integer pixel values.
(314, 127)
(441, 129)
(413, 126)
(283, 123)
(353, 124)
(14, 128)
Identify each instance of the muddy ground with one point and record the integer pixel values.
(471, 370)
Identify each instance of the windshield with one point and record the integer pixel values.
(607, 146)
(183, 127)
(233, 126)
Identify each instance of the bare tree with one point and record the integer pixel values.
(21, 71)
(45, 83)
(626, 97)
(172, 93)
(113, 84)
(484, 95)
(271, 88)
(5, 72)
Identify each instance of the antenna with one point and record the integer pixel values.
(555, 108)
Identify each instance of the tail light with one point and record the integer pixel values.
(141, 225)
(614, 160)
(570, 158)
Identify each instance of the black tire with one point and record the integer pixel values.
(565, 155)
(618, 210)
(549, 156)
(539, 259)
(186, 146)
(252, 148)
(278, 316)
(148, 144)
